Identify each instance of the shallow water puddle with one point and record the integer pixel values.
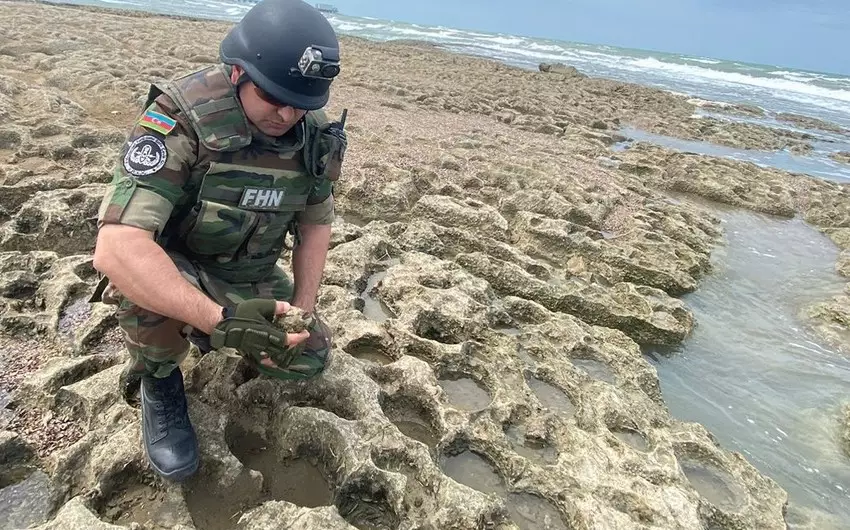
(368, 351)
(832, 137)
(817, 163)
(596, 369)
(551, 397)
(26, 503)
(373, 307)
(419, 431)
(465, 393)
(753, 374)
(632, 438)
(529, 512)
(409, 420)
(372, 355)
(715, 485)
(297, 481)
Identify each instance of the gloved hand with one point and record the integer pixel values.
(314, 354)
(248, 327)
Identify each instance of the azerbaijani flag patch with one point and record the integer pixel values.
(157, 122)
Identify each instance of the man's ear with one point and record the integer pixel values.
(235, 72)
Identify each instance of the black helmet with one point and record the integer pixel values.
(288, 49)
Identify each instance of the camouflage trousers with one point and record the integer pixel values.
(158, 344)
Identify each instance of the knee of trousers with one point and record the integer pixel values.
(150, 336)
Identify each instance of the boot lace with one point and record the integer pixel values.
(170, 406)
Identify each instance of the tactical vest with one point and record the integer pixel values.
(246, 191)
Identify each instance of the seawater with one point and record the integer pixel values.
(755, 375)
(817, 163)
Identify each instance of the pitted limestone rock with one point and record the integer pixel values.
(346, 449)
(74, 515)
(696, 227)
(831, 319)
(16, 456)
(410, 393)
(41, 387)
(585, 353)
(379, 192)
(20, 278)
(571, 206)
(842, 265)
(342, 311)
(348, 264)
(660, 320)
(88, 397)
(343, 232)
(275, 515)
(101, 454)
(730, 492)
(18, 284)
(436, 299)
(443, 242)
(650, 258)
(589, 395)
(43, 293)
(61, 220)
(824, 203)
(468, 214)
(728, 181)
(221, 470)
(66, 291)
(294, 321)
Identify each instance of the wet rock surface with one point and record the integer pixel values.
(832, 319)
(807, 122)
(842, 156)
(823, 204)
(489, 299)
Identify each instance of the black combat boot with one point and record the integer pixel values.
(170, 440)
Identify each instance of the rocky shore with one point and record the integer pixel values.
(495, 270)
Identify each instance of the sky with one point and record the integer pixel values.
(804, 34)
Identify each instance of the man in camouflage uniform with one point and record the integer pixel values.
(221, 166)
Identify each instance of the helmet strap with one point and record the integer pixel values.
(242, 79)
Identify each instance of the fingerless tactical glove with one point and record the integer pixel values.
(247, 327)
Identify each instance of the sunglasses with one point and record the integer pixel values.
(268, 98)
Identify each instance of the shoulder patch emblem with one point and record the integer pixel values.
(145, 156)
(157, 122)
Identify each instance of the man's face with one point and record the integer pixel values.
(267, 115)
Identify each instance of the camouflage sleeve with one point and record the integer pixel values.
(153, 167)
(320, 206)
